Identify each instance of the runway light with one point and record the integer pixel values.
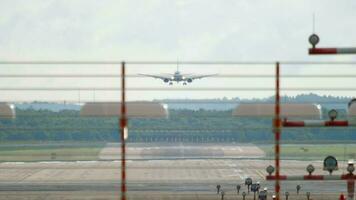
(310, 169)
(126, 133)
(270, 170)
(248, 181)
(238, 187)
(350, 166)
(330, 164)
(332, 114)
(308, 195)
(314, 40)
(298, 188)
(263, 194)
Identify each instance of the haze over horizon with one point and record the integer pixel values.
(89, 30)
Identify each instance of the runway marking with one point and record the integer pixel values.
(238, 173)
(260, 174)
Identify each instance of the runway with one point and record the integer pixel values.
(183, 175)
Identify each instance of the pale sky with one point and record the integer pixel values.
(155, 30)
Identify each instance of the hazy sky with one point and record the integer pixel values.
(134, 30)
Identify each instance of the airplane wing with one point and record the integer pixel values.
(198, 76)
(163, 77)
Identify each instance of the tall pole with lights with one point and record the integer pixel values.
(314, 40)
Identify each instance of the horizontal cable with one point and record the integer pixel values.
(167, 130)
(132, 130)
(171, 89)
(72, 102)
(141, 76)
(252, 102)
(117, 62)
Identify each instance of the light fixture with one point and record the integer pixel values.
(248, 181)
(350, 166)
(332, 114)
(310, 169)
(330, 164)
(270, 170)
(314, 40)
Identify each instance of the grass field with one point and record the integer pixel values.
(317, 151)
(36, 152)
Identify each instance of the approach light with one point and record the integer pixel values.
(332, 114)
(248, 181)
(350, 166)
(330, 164)
(254, 187)
(126, 133)
(270, 170)
(298, 188)
(310, 169)
(308, 195)
(314, 40)
(263, 194)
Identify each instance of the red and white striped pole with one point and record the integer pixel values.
(322, 51)
(277, 133)
(317, 123)
(314, 40)
(313, 177)
(123, 126)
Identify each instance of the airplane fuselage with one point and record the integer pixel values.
(177, 77)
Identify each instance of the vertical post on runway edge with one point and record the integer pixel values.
(277, 133)
(123, 125)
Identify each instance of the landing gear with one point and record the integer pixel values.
(185, 83)
(170, 83)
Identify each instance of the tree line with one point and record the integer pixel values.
(183, 125)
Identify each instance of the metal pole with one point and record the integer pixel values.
(350, 189)
(123, 125)
(277, 133)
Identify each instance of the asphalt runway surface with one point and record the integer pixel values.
(158, 173)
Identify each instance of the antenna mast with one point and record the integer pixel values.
(313, 23)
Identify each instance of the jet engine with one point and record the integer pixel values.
(189, 80)
(166, 80)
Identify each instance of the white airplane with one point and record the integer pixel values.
(178, 77)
